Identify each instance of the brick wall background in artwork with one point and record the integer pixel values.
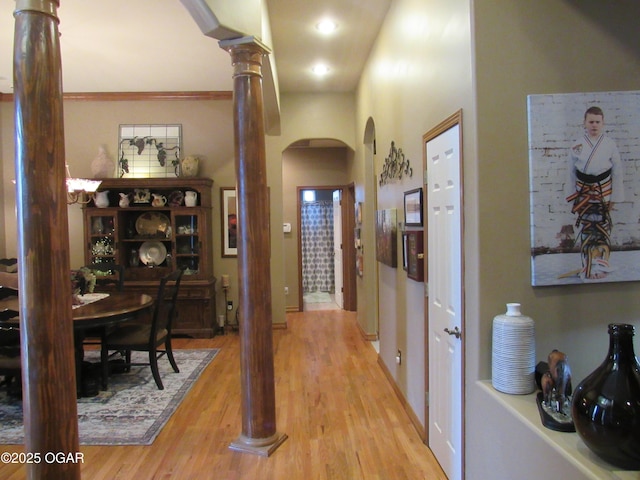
(555, 122)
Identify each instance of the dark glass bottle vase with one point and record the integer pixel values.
(606, 404)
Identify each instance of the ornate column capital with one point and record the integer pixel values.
(246, 55)
(48, 7)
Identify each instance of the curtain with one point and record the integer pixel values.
(317, 247)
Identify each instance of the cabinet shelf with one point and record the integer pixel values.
(184, 231)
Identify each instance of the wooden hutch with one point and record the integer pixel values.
(149, 241)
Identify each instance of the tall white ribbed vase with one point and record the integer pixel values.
(513, 354)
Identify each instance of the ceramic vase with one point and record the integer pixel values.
(189, 166)
(102, 166)
(513, 353)
(606, 404)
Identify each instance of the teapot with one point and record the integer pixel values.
(158, 200)
(101, 199)
(124, 200)
(190, 199)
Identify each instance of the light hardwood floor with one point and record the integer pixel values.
(333, 401)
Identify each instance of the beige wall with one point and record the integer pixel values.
(303, 116)
(207, 130)
(419, 73)
(521, 49)
(306, 167)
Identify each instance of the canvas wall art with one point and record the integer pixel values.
(386, 237)
(584, 162)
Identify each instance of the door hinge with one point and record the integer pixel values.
(426, 398)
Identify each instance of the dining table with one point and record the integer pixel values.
(95, 311)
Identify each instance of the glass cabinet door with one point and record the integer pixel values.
(188, 245)
(102, 237)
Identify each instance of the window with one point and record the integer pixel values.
(308, 195)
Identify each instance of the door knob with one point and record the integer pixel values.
(455, 332)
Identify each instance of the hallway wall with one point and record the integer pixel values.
(520, 49)
(418, 74)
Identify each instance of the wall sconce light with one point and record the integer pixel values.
(78, 187)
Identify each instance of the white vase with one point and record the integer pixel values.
(513, 354)
(102, 166)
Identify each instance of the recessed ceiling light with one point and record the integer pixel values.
(326, 26)
(320, 69)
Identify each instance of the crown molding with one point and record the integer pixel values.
(136, 96)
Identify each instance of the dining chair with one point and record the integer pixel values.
(133, 336)
(8, 277)
(10, 369)
(10, 364)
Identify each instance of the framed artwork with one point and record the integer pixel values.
(584, 187)
(358, 210)
(149, 150)
(413, 254)
(413, 208)
(386, 237)
(229, 218)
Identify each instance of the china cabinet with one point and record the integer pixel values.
(146, 227)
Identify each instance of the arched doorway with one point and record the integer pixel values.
(317, 165)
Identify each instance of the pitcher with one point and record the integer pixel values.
(190, 199)
(102, 199)
(125, 200)
(158, 200)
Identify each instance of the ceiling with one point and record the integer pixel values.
(155, 46)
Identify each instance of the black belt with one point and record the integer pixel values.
(583, 177)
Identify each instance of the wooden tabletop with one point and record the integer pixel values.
(116, 306)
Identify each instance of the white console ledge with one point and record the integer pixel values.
(569, 445)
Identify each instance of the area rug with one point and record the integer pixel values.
(317, 297)
(131, 412)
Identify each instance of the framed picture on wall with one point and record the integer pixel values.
(413, 254)
(358, 210)
(413, 208)
(386, 237)
(229, 218)
(584, 187)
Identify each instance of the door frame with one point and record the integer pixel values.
(348, 245)
(450, 122)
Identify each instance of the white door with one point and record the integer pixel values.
(443, 185)
(337, 246)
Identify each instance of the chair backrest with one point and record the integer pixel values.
(8, 277)
(164, 311)
(9, 265)
(108, 275)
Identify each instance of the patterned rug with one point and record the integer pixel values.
(131, 412)
(317, 297)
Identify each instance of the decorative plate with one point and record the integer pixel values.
(152, 224)
(152, 253)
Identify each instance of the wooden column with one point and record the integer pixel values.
(46, 328)
(259, 434)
